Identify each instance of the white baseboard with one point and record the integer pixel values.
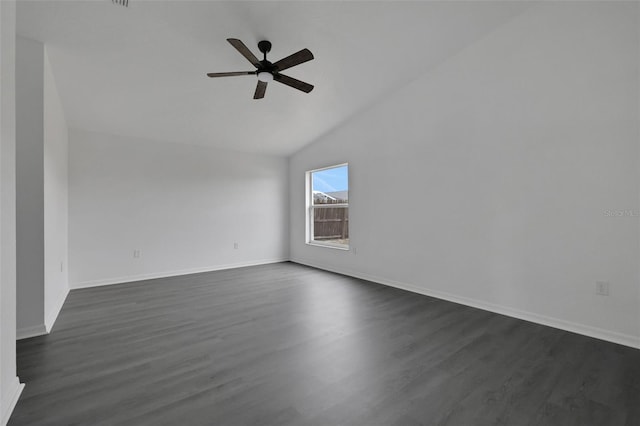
(141, 277)
(598, 333)
(10, 403)
(50, 320)
(42, 329)
(33, 331)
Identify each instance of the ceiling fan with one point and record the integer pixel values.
(267, 71)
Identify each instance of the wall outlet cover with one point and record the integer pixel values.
(602, 288)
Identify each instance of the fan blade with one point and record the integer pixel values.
(292, 82)
(244, 51)
(229, 74)
(260, 89)
(297, 58)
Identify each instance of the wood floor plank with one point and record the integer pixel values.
(285, 344)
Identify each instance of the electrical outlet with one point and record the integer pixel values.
(602, 288)
(136, 253)
(235, 246)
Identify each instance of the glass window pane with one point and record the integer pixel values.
(331, 225)
(330, 186)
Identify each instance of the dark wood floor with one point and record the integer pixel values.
(285, 344)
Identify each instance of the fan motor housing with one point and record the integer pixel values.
(267, 66)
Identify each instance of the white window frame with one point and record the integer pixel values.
(310, 209)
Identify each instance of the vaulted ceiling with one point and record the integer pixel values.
(140, 71)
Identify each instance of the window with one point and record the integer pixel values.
(328, 206)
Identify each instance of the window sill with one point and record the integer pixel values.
(331, 246)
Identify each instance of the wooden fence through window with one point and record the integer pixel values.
(331, 223)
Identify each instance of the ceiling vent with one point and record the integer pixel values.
(124, 3)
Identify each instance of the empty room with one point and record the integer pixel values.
(288, 213)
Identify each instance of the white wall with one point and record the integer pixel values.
(29, 186)
(55, 158)
(183, 207)
(488, 180)
(10, 388)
